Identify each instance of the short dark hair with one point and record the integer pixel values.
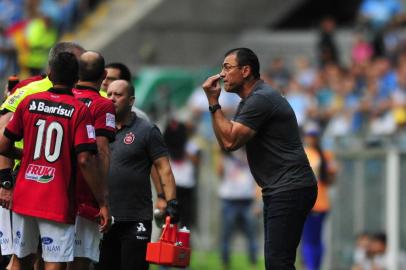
(380, 237)
(246, 57)
(64, 69)
(91, 69)
(125, 73)
(69, 47)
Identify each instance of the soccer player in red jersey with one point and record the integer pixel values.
(87, 235)
(58, 135)
(23, 89)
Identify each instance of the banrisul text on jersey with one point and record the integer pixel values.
(51, 108)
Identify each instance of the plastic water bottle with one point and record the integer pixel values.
(184, 237)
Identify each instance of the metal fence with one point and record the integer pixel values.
(368, 197)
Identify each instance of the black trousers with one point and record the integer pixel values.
(284, 217)
(124, 246)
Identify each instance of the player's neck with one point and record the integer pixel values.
(94, 85)
(61, 86)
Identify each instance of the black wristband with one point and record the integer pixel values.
(6, 178)
(161, 195)
(214, 108)
(6, 175)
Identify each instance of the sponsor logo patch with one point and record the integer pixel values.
(41, 174)
(129, 138)
(91, 133)
(47, 245)
(47, 240)
(51, 108)
(110, 120)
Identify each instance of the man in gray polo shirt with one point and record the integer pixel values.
(138, 145)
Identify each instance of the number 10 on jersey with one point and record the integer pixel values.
(53, 134)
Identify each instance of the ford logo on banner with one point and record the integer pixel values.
(46, 240)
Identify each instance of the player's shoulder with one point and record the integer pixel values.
(102, 104)
(29, 89)
(34, 96)
(35, 86)
(27, 81)
(103, 100)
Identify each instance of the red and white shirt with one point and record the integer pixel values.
(55, 128)
(104, 120)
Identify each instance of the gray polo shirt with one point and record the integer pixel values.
(275, 154)
(138, 143)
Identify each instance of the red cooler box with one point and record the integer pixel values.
(169, 251)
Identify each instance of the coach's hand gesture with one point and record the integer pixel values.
(212, 88)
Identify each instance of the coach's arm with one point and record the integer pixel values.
(164, 170)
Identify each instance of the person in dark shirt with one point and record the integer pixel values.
(139, 145)
(267, 125)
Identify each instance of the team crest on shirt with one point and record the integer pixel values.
(40, 174)
(129, 138)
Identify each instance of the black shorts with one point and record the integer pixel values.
(124, 246)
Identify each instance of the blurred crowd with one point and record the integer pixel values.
(29, 28)
(365, 95)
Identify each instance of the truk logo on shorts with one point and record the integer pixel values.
(1, 234)
(41, 174)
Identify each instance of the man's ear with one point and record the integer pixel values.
(132, 101)
(246, 71)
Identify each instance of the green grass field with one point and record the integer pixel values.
(210, 260)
